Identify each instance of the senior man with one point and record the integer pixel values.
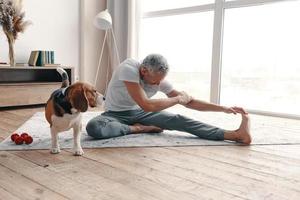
(129, 108)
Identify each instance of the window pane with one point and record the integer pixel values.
(186, 41)
(261, 62)
(153, 5)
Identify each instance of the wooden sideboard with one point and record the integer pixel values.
(21, 86)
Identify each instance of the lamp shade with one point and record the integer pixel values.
(103, 20)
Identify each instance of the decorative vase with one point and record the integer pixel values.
(12, 23)
(11, 43)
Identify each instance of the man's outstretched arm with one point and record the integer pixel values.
(137, 93)
(200, 105)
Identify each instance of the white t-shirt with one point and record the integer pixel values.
(117, 97)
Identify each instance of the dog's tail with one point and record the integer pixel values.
(64, 76)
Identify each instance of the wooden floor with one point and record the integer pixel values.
(206, 172)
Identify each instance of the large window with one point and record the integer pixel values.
(185, 41)
(249, 49)
(261, 65)
(154, 5)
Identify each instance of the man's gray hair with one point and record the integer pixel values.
(156, 63)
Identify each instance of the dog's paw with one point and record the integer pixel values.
(78, 151)
(55, 150)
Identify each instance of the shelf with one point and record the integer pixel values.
(33, 67)
(30, 83)
(32, 74)
(26, 85)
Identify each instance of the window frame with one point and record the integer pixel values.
(216, 64)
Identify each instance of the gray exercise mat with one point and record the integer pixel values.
(38, 128)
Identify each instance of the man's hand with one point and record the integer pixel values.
(234, 110)
(184, 98)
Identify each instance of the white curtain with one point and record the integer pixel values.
(126, 18)
(134, 19)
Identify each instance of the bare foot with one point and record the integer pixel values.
(139, 128)
(243, 133)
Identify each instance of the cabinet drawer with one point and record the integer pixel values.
(18, 94)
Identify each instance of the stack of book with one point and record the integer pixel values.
(42, 58)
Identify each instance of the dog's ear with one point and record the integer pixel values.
(78, 98)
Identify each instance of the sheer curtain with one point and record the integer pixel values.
(126, 18)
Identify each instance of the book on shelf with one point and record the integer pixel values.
(42, 58)
(33, 58)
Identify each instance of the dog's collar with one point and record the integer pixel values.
(63, 90)
(60, 99)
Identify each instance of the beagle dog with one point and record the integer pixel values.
(64, 107)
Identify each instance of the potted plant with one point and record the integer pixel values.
(12, 22)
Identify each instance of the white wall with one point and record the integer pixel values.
(56, 26)
(91, 40)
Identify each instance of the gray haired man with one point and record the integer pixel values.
(129, 108)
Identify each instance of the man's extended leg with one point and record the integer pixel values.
(169, 121)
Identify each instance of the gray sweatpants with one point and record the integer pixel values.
(116, 123)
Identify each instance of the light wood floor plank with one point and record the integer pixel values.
(25, 111)
(257, 177)
(11, 119)
(234, 183)
(14, 116)
(246, 158)
(59, 183)
(22, 187)
(111, 178)
(5, 195)
(285, 151)
(94, 175)
(162, 175)
(4, 134)
(8, 126)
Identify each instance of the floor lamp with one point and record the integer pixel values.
(103, 21)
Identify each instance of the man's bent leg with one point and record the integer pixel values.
(169, 121)
(103, 127)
